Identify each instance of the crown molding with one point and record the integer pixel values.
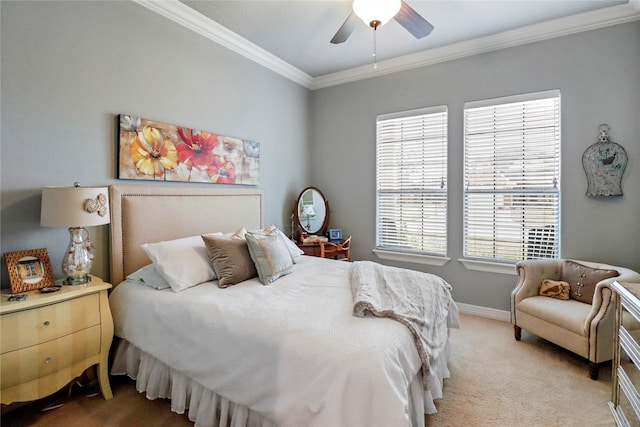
(586, 21)
(197, 22)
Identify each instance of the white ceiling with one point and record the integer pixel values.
(296, 33)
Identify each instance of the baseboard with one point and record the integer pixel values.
(490, 313)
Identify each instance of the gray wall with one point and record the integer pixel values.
(69, 67)
(598, 74)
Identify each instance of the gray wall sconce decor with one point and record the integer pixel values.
(604, 163)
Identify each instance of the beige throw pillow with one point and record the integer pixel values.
(230, 258)
(583, 279)
(554, 289)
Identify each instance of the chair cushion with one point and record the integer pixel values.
(583, 280)
(568, 314)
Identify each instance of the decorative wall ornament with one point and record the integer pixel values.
(154, 150)
(604, 163)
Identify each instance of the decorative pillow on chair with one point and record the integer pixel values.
(583, 279)
(270, 255)
(554, 289)
(230, 258)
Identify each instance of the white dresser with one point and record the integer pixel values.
(625, 398)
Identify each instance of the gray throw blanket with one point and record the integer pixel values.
(420, 301)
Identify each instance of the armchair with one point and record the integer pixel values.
(584, 328)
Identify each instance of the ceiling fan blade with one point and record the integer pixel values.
(346, 29)
(413, 22)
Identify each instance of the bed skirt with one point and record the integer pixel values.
(208, 409)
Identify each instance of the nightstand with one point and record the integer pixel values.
(52, 338)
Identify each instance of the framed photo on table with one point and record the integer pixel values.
(29, 270)
(335, 234)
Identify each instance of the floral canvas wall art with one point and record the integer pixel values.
(152, 150)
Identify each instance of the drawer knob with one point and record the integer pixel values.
(46, 323)
(48, 360)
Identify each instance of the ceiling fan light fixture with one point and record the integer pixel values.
(376, 13)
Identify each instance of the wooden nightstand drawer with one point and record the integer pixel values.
(40, 360)
(30, 327)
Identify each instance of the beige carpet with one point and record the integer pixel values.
(498, 381)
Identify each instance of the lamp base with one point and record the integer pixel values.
(76, 263)
(77, 280)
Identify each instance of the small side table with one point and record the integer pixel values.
(52, 338)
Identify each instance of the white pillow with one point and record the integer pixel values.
(182, 262)
(149, 276)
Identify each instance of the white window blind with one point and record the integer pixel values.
(512, 178)
(411, 189)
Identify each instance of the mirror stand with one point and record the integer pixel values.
(310, 214)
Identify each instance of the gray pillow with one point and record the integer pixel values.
(230, 259)
(583, 280)
(270, 255)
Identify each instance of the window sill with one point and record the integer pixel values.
(414, 258)
(490, 267)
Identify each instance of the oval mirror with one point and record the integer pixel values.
(311, 212)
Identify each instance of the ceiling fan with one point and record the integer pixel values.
(376, 13)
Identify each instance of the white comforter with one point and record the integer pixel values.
(292, 351)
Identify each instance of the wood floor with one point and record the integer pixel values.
(127, 408)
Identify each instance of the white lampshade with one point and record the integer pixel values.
(308, 210)
(376, 10)
(74, 206)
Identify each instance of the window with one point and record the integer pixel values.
(411, 185)
(512, 178)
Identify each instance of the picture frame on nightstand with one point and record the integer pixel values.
(29, 270)
(335, 234)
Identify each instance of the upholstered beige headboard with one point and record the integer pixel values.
(152, 213)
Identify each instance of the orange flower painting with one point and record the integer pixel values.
(152, 150)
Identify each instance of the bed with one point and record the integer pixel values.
(288, 354)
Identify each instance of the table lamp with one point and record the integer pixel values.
(75, 207)
(309, 211)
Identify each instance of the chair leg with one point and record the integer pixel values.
(594, 371)
(517, 332)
